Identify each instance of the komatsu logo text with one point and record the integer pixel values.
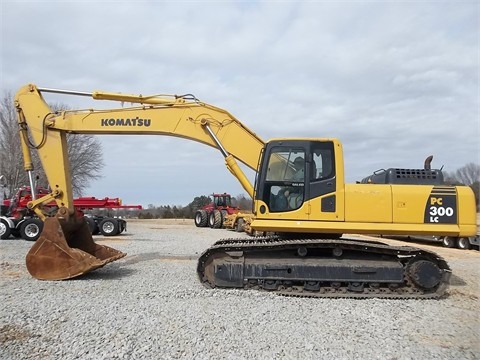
(127, 122)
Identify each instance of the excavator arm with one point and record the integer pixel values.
(73, 252)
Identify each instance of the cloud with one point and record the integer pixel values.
(395, 81)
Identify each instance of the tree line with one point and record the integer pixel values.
(174, 211)
(188, 211)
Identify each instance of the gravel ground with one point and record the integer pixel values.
(150, 305)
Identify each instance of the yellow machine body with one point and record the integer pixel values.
(327, 206)
(388, 209)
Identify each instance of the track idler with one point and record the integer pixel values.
(65, 249)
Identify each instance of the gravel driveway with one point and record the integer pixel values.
(150, 305)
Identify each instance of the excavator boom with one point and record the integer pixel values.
(183, 117)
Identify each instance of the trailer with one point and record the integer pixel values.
(464, 243)
(18, 221)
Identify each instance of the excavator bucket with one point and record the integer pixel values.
(65, 249)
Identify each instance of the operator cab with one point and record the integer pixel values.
(295, 171)
(222, 200)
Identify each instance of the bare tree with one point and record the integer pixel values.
(86, 162)
(11, 165)
(468, 174)
(244, 203)
(85, 153)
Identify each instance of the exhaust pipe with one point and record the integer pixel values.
(427, 164)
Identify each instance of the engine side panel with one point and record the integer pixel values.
(368, 203)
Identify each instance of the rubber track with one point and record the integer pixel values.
(408, 291)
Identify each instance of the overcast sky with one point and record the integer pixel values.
(394, 81)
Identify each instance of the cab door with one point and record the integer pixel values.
(283, 188)
(325, 199)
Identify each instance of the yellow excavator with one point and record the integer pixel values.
(300, 200)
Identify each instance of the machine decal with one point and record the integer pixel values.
(441, 206)
(126, 122)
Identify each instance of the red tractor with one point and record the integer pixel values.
(215, 212)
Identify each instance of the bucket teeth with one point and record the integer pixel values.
(66, 250)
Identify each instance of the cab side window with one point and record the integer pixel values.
(322, 164)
